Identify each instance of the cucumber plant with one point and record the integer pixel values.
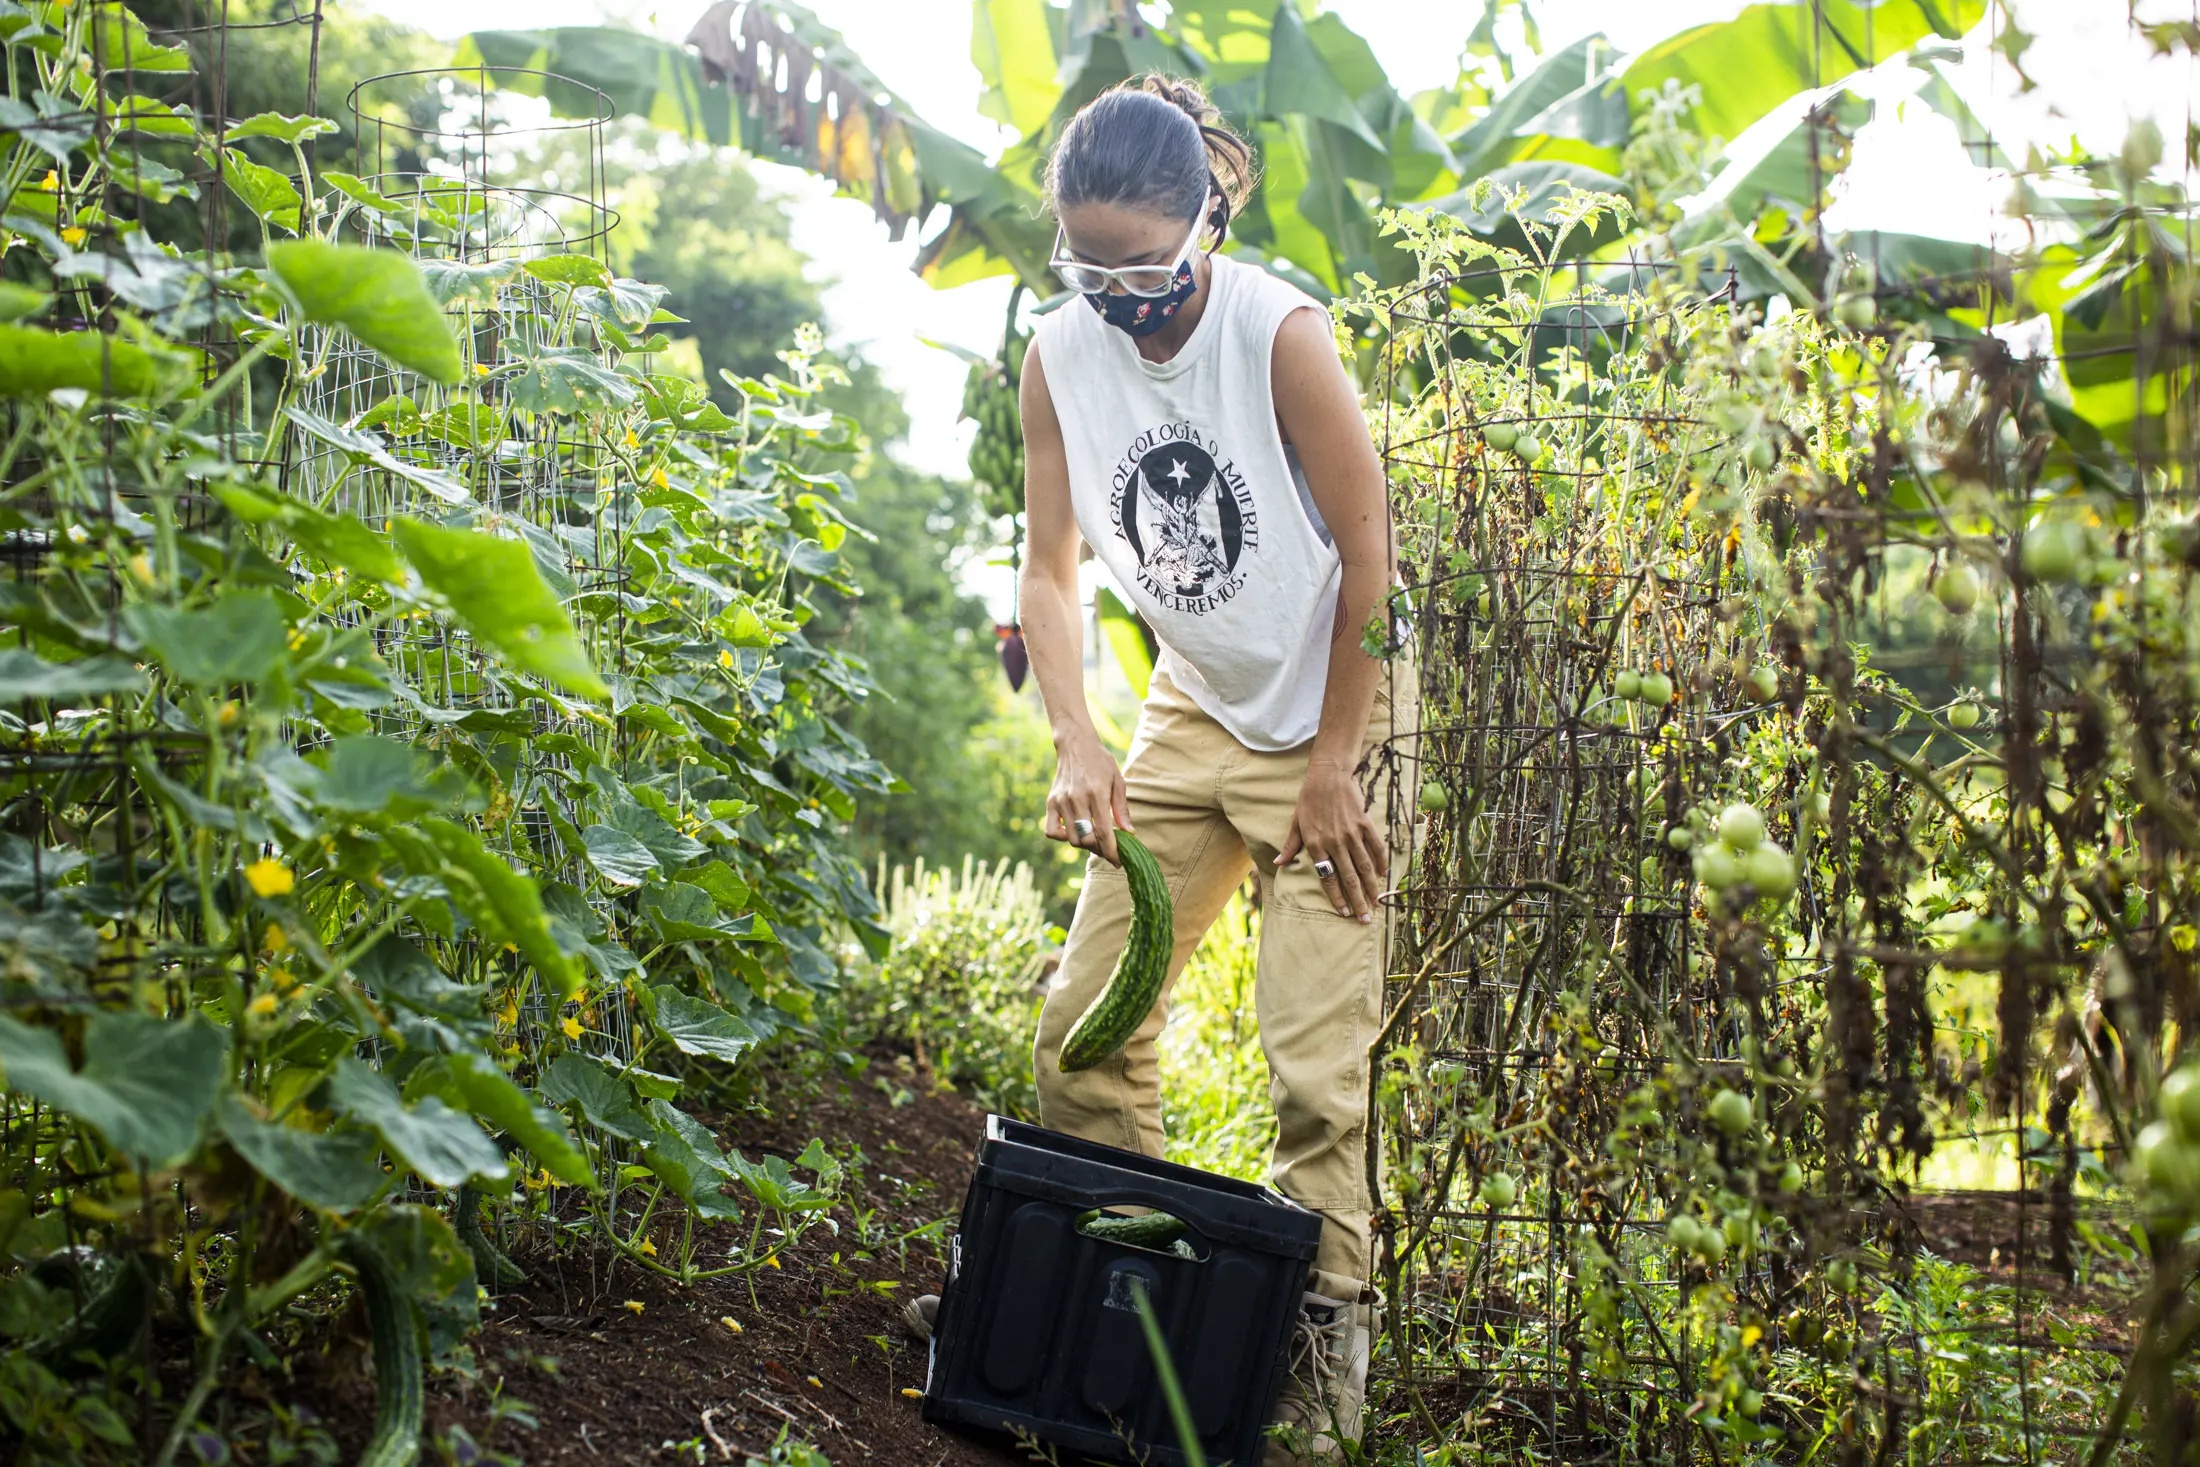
(384, 832)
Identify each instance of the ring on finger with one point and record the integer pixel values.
(1083, 828)
(1326, 870)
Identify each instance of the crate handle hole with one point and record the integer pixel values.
(1135, 1225)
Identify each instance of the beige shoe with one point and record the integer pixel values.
(1325, 1392)
(919, 1315)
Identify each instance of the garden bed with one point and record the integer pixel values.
(821, 1350)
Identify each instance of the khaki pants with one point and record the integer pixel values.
(1210, 809)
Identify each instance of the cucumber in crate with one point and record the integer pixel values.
(1038, 1333)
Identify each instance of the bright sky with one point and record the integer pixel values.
(1908, 172)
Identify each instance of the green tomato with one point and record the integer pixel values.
(1764, 681)
(1791, 1179)
(1434, 800)
(1760, 454)
(2180, 1101)
(1741, 826)
(1501, 436)
(1771, 871)
(1680, 837)
(1657, 689)
(1730, 1111)
(1841, 1275)
(2052, 550)
(1499, 1190)
(1710, 1244)
(1858, 312)
(2181, 539)
(1682, 1232)
(1987, 933)
(1528, 449)
(1627, 683)
(1739, 1230)
(2170, 1164)
(1717, 867)
(1963, 715)
(1750, 1402)
(1957, 589)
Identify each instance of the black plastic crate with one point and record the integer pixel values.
(1037, 1332)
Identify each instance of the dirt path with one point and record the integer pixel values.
(820, 1348)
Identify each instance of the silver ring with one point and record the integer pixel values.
(1326, 870)
(1083, 829)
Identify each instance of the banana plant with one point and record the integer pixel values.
(1337, 140)
(1338, 143)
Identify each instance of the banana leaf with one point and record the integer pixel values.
(748, 80)
(1337, 140)
(1749, 65)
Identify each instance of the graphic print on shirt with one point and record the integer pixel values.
(1184, 509)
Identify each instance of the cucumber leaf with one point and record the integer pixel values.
(338, 1170)
(239, 639)
(605, 1101)
(492, 586)
(147, 1084)
(473, 1083)
(283, 129)
(699, 1028)
(442, 1146)
(24, 674)
(376, 295)
(34, 363)
(617, 856)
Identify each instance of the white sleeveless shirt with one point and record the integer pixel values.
(1183, 487)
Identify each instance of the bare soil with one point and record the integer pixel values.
(821, 1353)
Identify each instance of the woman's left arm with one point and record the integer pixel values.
(1321, 418)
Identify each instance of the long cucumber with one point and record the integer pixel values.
(106, 1326)
(1155, 1230)
(491, 1267)
(395, 1324)
(1135, 986)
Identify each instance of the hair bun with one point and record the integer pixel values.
(1185, 96)
(1230, 165)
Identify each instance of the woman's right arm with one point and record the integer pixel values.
(1087, 783)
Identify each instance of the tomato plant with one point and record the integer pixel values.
(1782, 672)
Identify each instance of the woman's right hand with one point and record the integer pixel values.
(1087, 786)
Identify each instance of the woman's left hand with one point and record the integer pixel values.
(1332, 825)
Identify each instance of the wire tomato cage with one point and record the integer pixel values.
(1656, 1141)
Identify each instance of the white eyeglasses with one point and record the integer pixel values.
(1141, 280)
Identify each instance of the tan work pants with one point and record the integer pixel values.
(1209, 808)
